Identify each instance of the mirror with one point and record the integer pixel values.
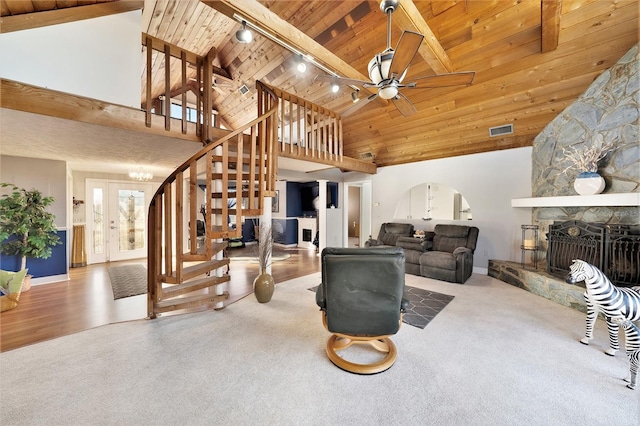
(433, 201)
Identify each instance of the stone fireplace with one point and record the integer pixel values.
(608, 108)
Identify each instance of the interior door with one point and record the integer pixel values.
(128, 204)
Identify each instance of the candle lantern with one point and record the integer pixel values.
(529, 243)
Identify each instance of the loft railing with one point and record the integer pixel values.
(307, 129)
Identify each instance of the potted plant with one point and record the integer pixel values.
(27, 229)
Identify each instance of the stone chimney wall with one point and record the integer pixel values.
(609, 107)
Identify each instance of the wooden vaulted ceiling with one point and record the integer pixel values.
(532, 59)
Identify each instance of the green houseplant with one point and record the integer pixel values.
(27, 229)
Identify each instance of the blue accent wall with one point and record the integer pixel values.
(294, 202)
(54, 265)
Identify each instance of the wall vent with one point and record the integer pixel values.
(507, 129)
(244, 89)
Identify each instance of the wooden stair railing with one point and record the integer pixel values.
(185, 270)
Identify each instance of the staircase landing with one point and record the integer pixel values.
(538, 281)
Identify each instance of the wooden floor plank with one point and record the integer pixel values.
(86, 300)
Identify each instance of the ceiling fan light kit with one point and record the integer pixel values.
(388, 69)
(244, 35)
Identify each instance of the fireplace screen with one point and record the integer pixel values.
(614, 249)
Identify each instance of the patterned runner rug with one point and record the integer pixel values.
(424, 305)
(128, 280)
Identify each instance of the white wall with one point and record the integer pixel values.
(488, 181)
(97, 58)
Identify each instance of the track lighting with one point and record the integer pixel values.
(244, 35)
(335, 88)
(302, 66)
(354, 96)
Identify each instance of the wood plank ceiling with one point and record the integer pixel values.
(532, 59)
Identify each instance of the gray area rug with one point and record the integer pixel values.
(424, 305)
(128, 280)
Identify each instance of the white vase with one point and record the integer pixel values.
(589, 183)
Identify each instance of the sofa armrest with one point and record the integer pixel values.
(372, 243)
(462, 251)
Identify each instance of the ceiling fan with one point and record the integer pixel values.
(388, 68)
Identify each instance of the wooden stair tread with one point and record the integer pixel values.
(188, 302)
(202, 268)
(189, 286)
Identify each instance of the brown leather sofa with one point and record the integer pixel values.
(451, 257)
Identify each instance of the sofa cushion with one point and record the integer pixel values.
(438, 259)
(452, 231)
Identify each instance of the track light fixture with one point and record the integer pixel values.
(355, 96)
(244, 35)
(301, 66)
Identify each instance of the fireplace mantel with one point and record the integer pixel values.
(608, 200)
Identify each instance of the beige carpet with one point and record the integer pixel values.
(496, 355)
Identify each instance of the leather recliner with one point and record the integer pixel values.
(451, 258)
(362, 297)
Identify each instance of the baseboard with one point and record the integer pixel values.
(50, 279)
(481, 271)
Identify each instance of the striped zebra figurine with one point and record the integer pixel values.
(632, 347)
(602, 296)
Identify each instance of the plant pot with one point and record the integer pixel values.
(9, 301)
(589, 183)
(263, 287)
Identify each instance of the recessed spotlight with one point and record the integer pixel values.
(335, 88)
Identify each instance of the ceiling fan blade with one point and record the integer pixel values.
(343, 81)
(355, 107)
(404, 105)
(444, 80)
(406, 49)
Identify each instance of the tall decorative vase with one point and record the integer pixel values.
(263, 287)
(589, 183)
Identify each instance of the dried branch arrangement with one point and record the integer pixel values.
(265, 246)
(586, 159)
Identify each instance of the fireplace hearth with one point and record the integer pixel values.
(614, 249)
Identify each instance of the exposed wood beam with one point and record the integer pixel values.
(263, 18)
(27, 98)
(29, 21)
(550, 24)
(408, 17)
(347, 163)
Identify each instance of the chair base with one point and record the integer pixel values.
(382, 344)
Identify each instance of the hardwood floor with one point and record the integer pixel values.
(86, 299)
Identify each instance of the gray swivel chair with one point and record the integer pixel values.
(362, 299)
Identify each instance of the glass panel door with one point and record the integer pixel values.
(128, 220)
(96, 236)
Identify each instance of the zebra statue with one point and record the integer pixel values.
(602, 296)
(632, 347)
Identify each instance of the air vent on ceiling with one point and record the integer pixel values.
(366, 156)
(244, 89)
(501, 130)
